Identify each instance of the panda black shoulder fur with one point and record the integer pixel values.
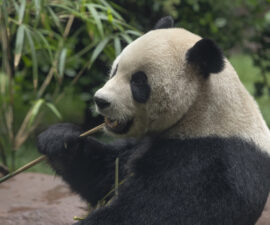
(200, 148)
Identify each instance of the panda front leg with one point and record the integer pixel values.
(86, 164)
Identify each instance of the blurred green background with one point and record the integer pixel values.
(56, 53)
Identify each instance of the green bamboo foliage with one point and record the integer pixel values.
(47, 46)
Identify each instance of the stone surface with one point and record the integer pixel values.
(38, 199)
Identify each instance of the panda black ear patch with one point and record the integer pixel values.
(207, 56)
(164, 22)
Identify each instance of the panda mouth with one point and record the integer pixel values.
(117, 126)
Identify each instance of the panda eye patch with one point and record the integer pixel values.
(139, 87)
(139, 78)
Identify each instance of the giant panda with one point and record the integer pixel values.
(192, 145)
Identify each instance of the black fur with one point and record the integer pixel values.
(82, 162)
(115, 71)
(139, 87)
(164, 23)
(207, 56)
(202, 181)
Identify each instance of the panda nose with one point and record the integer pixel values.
(101, 103)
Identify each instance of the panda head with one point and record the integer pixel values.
(155, 80)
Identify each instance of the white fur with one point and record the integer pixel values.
(182, 103)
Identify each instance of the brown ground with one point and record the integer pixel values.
(39, 199)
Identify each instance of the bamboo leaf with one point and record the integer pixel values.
(97, 6)
(19, 45)
(34, 58)
(16, 6)
(34, 112)
(21, 11)
(116, 22)
(70, 10)
(55, 19)
(96, 18)
(116, 14)
(109, 15)
(81, 53)
(117, 45)
(62, 61)
(126, 38)
(133, 32)
(108, 9)
(37, 6)
(46, 43)
(54, 110)
(99, 49)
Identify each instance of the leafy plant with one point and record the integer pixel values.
(229, 23)
(261, 56)
(47, 47)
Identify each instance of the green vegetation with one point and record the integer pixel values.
(229, 23)
(51, 51)
(26, 154)
(249, 75)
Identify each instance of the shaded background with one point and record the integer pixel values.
(56, 53)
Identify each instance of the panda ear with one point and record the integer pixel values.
(164, 22)
(207, 56)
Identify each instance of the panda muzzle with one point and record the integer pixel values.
(117, 126)
(111, 122)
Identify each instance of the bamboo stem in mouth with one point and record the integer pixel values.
(94, 130)
(43, 157)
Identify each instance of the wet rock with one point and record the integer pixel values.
(38, 199)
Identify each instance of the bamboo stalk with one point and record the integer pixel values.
(9, 70)
(42, 158)
(52, 70)
(92, 131)
(23, 168)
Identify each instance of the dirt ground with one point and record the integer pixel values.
(39, 199)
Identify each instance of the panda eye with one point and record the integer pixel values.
(139, 78)
(139, 87)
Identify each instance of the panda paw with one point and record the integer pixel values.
(59, 139)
